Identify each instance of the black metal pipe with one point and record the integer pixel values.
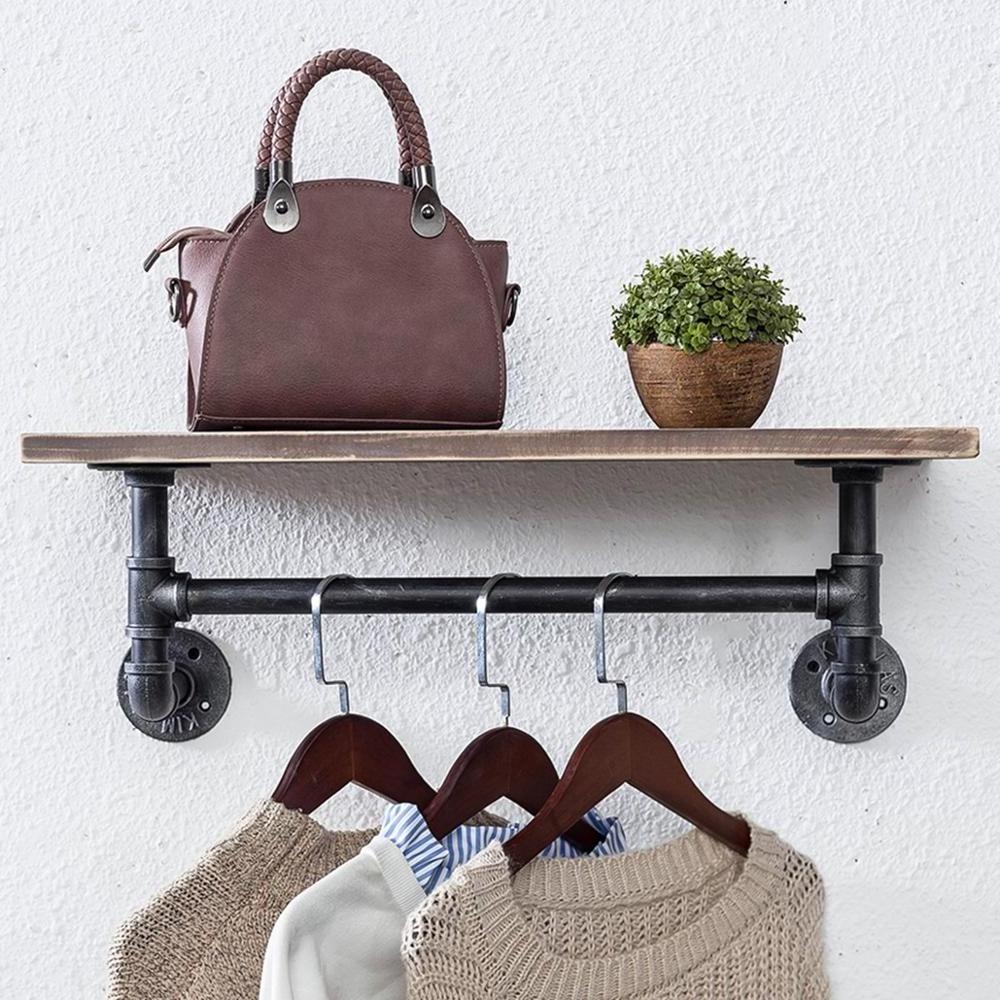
(847, 594)
(853, 684)
(857, 514)
(149, 672)
(150, 520)
(521, 595)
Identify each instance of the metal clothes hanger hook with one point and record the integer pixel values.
(600, 653)
(319, 667)
(481, 601)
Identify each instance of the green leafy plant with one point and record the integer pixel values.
(698, 298)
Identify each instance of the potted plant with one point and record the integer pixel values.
(704, 334)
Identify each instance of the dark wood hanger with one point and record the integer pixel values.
(350, 749)
(346, 749)
(624, 749)
(500, 763)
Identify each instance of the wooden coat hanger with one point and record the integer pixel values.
(622, 749)
(347, 749)
(501, 763)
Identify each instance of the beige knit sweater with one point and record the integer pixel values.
(689, 920)
(204, 937)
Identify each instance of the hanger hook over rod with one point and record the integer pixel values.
(481, 601)
(600, 651)
(319, 666)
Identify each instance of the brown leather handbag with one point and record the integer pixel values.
(342, 303)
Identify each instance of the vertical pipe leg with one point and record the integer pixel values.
(150, 672)
(852, 682)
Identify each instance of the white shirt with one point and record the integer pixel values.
(340, 938)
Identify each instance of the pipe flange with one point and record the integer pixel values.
(810, 679)
(202, 682)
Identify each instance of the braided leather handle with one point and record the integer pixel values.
(414, 149)
(264, 145)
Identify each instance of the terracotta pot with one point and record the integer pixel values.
(725, 386)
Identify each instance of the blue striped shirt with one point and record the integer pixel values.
(433, 861)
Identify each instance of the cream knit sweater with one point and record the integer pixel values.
(204, 937)
(689, 920)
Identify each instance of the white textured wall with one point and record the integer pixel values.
(854, 148)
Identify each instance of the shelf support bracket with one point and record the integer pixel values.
(848, 684)
(174, 684)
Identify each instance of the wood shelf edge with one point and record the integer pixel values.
(599, 445)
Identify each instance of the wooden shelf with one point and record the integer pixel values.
(873, 444)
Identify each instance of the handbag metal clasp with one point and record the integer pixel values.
(281, 209)
(426, 214)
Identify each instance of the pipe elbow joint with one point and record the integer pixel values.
(854, 695)
(151, 692)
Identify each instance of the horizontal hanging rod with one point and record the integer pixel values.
(182, 597)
